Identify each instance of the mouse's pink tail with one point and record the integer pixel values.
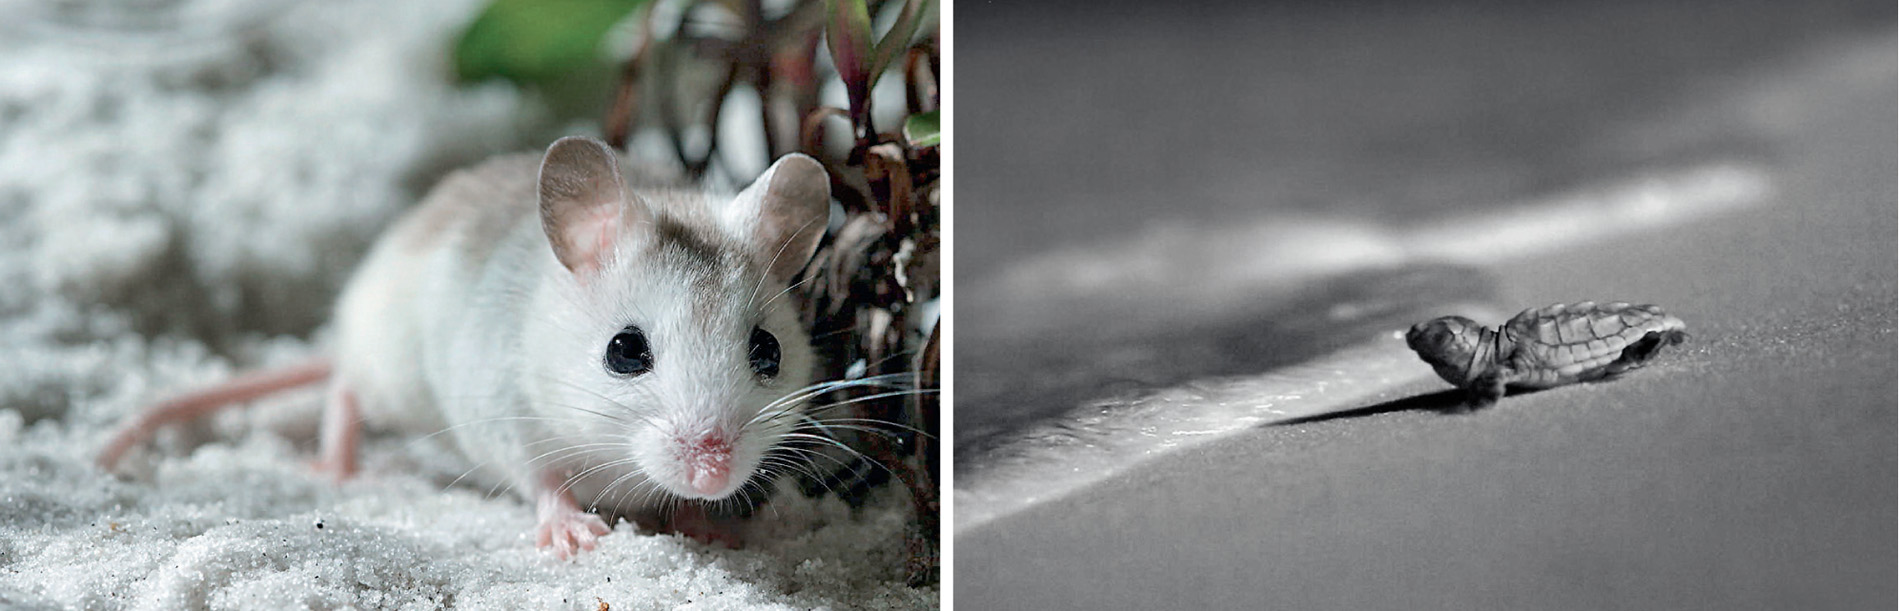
(198, 404)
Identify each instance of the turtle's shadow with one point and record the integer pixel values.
(1012, 380)
(1449, 402)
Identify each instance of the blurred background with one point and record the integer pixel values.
(1190, 234)
(254, 149)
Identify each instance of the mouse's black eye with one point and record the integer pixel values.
(764, 353)
(629, 354)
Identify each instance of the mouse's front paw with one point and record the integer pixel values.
(569, 532)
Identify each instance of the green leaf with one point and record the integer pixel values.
(537, 41)
(924, 129)
(892, 45)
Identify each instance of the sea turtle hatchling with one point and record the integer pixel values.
(1543, 347)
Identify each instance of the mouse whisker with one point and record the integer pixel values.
(596, 413)
(796, 449)
(880, 395)
(820, 409)
(471, 470)
(765, 275)
(505, 484)
(829, 334)
(575, 478)
(834, 405)
(810, 468)
(875, 427)
(773, 463)
(757, 490)
(565, 441)
(888, 357)
(573, 449)
(646, 489)
(791, 400)
(479, 465)
(823, 440)
(644, 415)
(602, 415)
(619, 500)
(579, 454)
(475, 422)
(901, 376)
(659, 496)
(795, 452)
(890, 379)
(823, 388)
(782, 293)
(742, 499)
(596, 394)
(789, 466)
(878, 381)
(872, 422)
(611, 485)
(608, 417)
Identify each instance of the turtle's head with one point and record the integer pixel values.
(1446, 343)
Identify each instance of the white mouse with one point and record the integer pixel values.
(580, 337)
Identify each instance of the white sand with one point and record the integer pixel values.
(181, 202)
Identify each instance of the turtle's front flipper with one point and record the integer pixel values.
(1484, 391)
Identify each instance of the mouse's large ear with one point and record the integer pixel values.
(785, 212)
(584, 202)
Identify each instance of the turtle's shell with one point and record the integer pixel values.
(1561, 344)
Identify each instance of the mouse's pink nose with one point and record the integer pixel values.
(708, 463)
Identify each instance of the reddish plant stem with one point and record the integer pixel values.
(619, 122)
